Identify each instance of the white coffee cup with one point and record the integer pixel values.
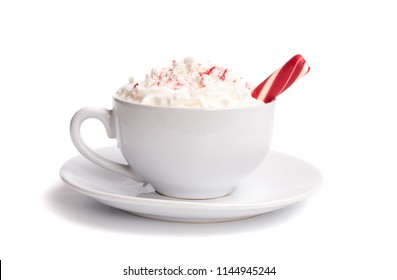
(189, 153)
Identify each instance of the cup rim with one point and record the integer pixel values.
(133, 104)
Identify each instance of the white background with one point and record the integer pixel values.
(57, 57)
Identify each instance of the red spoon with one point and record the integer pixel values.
(281, 79)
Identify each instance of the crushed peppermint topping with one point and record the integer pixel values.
(189, 83)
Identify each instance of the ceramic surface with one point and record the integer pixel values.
(280, 180)
(183, 152)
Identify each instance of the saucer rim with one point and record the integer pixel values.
(194, 204)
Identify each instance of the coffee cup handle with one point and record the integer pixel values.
(107, 119)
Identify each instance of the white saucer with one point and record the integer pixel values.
(281, 180)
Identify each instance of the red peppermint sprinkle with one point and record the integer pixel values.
(208, 72)
(223, 76)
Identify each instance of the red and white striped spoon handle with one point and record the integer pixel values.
(281, 79)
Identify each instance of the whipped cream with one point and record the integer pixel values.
(190, 83)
